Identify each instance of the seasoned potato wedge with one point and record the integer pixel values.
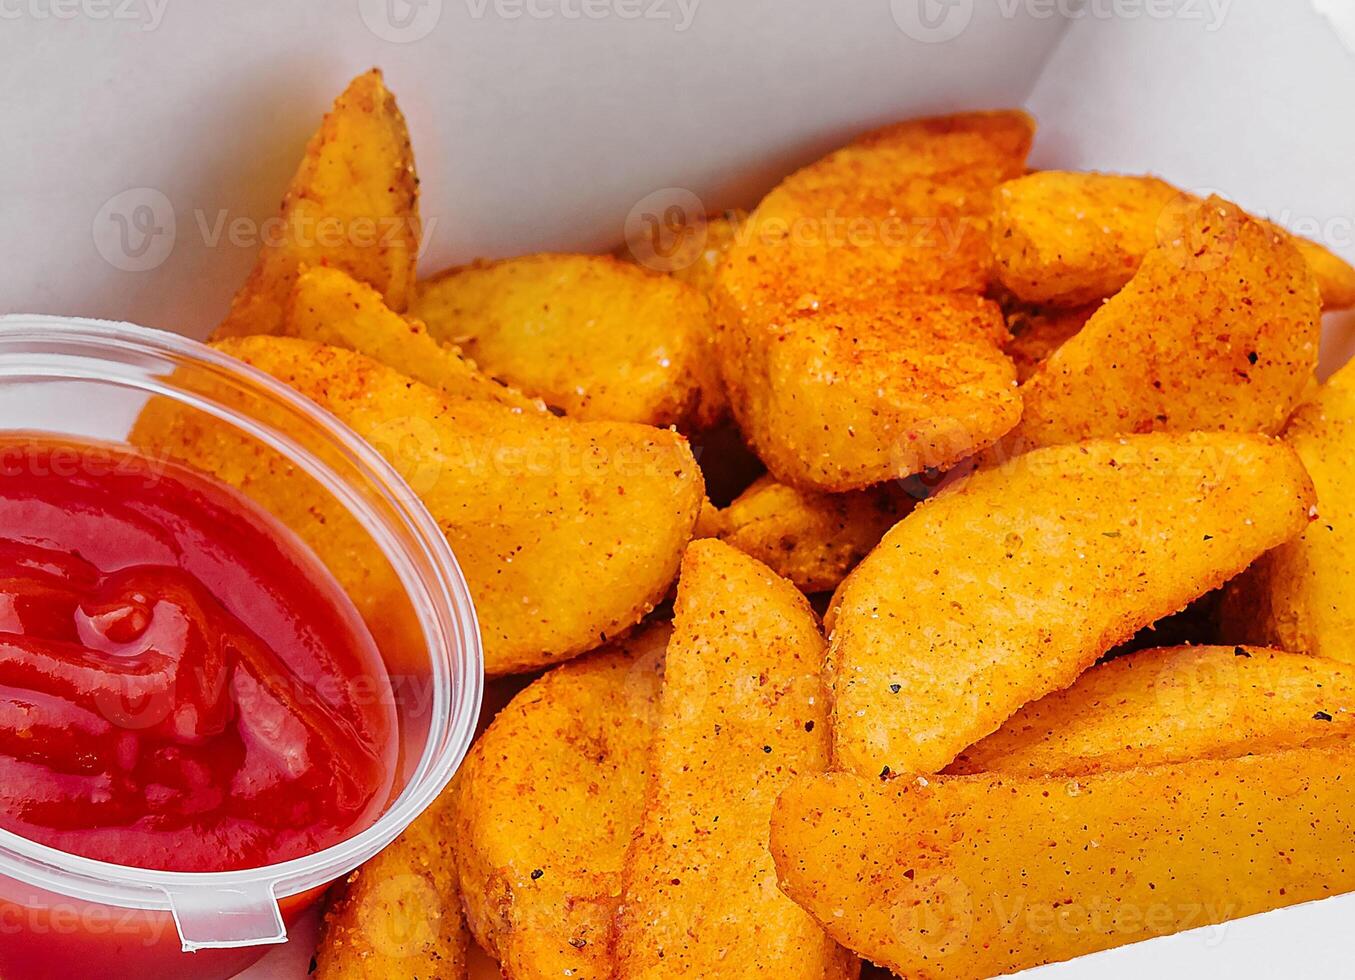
(568, 532)
(1038, 332)
(595, 337)
(1302, 595)
(1172, 705)
(854, 343)
(353, 204)
(839, 396)
(1218, 329)
(973, 876)
(691, 250)
(1069, 238)
(741, 711)
(698, 268)
(904, 208)
(546, 804)
(399, 915)
(813, 539)
(1007, 588)
(328, 306)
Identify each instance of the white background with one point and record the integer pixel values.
(538, 124)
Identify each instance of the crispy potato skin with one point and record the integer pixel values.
(854, 343)
(1008, 586)
(1067, 238)
(1172, 705)
(328, 306)
(972, 876)
(546, 804)
(740, 713)
(353, 204)
(399, 915)
(1218, 329)
(568, 532)
(1037, 332)
(1302, 595)
(812, 539)
(592, 336)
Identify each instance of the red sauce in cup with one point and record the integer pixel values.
(183, 686)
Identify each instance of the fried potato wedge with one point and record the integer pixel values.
(854, 343)
(697, 263)
(546, 804)
(904, 208)
(974, 876)
(399, 915)
(1037, 333)
(1172, 705)
(1302, 595)
(1007, 587)
(592, 336)
(353, 204)
(740, 713)
(813, 539)
(1218, 329)
(711, 523)
(1068, 238)
(839, 396)
(568, 532)
(328, 306)
(690, 249)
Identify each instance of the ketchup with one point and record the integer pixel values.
(183, 686)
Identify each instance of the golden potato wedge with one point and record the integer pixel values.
(568, 532)
(902, 209)
(1335, 276)
(1302, 595)
(1038, 332)
(1172, 705)
(696, 266)
(399, 915)
(1007, 587)
(353, 204)
(1068, 238)
(689, 249)
(839, 396)
(974, 876)
(1218, 329)
(854, 343)
(711, 522)
(594, 337)
(328, 306)
(812, 539)
(545, 806)
(740, 712)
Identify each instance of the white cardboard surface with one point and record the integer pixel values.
(538, 124)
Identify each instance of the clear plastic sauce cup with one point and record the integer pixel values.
(64, 915)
